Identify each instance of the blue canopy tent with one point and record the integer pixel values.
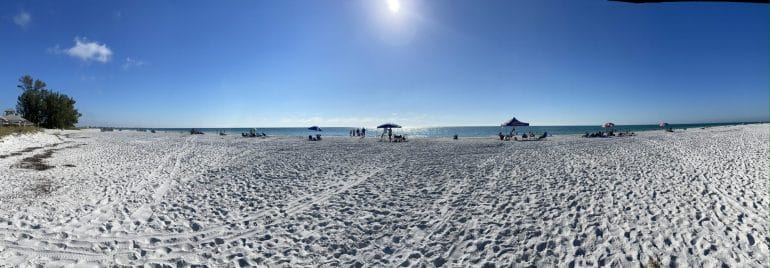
(387, 126)
(513, 123)
(315, 128)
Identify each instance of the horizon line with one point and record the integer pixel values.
(556, 125)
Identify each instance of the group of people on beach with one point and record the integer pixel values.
(611, 133)
(525, 136)
(358, 132)
(392, 138)
(253, 134)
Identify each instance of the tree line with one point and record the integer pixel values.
(45, 107)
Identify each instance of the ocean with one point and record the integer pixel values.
(437, 132)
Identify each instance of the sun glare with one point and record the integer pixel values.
(394, 5)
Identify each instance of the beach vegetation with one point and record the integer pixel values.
(16, 130)
(45, 107)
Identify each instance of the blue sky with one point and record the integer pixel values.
(360, 63)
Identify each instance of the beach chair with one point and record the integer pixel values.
(542, 137)
(318, 137)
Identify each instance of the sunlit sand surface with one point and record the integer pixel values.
(690, 198)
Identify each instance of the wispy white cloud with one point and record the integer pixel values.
(130, 63)
(22, 19)
(86, 51)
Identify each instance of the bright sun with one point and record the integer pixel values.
(394, 5)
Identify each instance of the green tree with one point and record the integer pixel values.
(45, 107)
(30, 102)
(59, 111)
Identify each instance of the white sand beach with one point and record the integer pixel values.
(685, 199)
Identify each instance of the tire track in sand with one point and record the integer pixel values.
(106, 208)
(292, 208)
(144, 212)
(123, 245)
(135, 189)
(447, 212)
(127, 238)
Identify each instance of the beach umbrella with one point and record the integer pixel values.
(389, 125)
(315, 128)
(608, 125)
(386, 127)
(513, 123)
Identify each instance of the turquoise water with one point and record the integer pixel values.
(441, 132)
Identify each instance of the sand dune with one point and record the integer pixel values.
(690, 198)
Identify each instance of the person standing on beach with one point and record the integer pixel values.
(363, 132)
(390, 134)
